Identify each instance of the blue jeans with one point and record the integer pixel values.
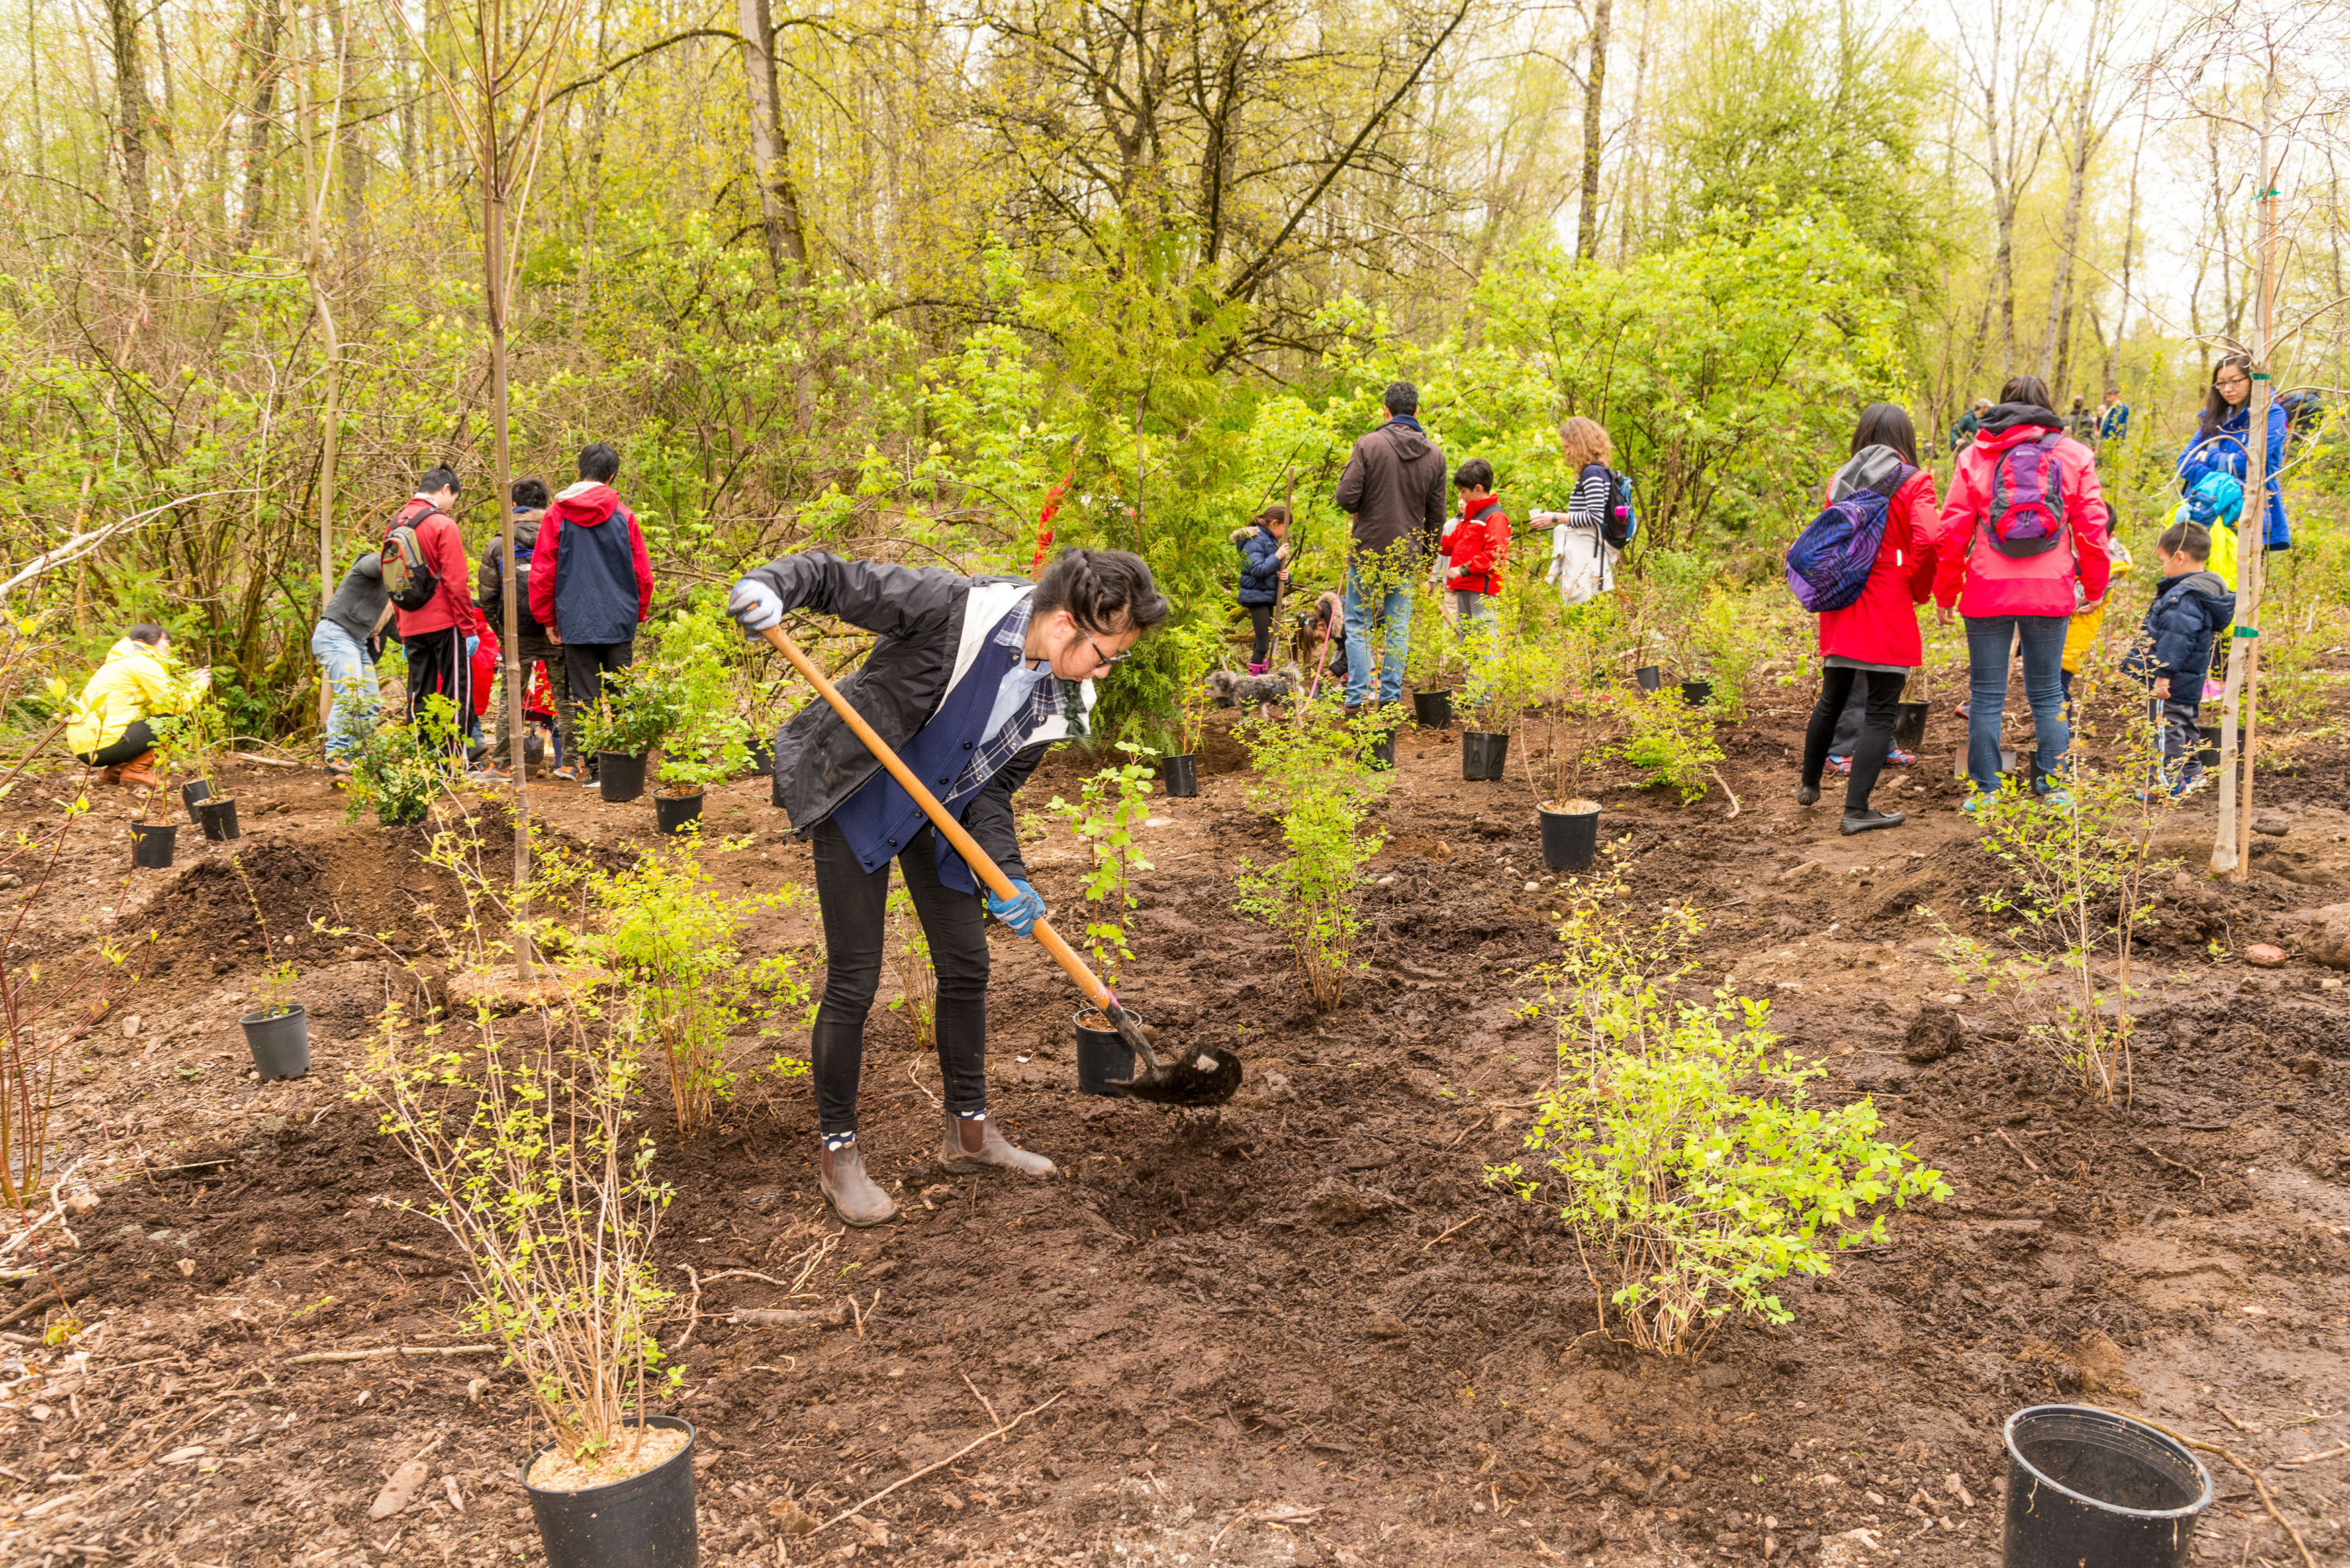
(350, 675)
(1987, 639)
(1394, 607)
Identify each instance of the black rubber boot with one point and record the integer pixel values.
(1864, 821)
(1806, 795)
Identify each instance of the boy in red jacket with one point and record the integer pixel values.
(1477, 548)
(591, 585)
(434, 637)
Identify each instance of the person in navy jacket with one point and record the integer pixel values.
(591, 586)
(969, 681)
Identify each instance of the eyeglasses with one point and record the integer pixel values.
(2238, 380)
(1106, 661)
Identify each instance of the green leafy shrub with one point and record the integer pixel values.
(399, 769)
(637, 713)
(1694, 1172)
(1194, 646)
(693, 675)
(917, 980)
(1111, 805)
(1672, 742)
(1311, 773)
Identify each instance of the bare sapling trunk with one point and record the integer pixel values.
(1586, 226)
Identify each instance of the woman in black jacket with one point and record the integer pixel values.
(970, 680)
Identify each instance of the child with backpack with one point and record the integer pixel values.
(1477, 547)
(1591, 536)
(1263, 544)
(1864, 566)
(2173, 650)
(2216, 504)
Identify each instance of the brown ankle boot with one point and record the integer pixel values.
(840, 1176)
(137, 772)
(976, 1145)
(112, 775)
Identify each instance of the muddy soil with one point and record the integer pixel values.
(1301, 1330)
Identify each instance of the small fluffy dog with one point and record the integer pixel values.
(1232, 688)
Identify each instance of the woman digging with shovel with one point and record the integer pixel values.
(970, 680)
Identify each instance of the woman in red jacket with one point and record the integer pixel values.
(1873, 641)
(2022, 544)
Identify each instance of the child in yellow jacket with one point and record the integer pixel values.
(2081, 632)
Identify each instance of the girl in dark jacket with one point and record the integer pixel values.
(970, 680)
(1263, 544)
(1874, 639)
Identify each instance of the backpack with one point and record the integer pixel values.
(2026, 516)
(1618, 524)
(408, 581)
(1829, 563)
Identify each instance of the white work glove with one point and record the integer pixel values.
(756, 607)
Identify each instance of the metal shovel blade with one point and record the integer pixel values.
(1199, 1078)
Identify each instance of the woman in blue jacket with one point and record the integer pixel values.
(1263, 545)
(2220, 443)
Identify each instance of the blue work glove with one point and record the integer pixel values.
(756, 606)
(1020, 911)
(472, 646)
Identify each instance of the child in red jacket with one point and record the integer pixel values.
(1477, 547)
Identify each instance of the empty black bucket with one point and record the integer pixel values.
(674, 811)
(1909, 725)
(280, 1043)
(534, 750)
(619, 776)
(2208, 753)
(218, 819)
(195, 791)
(1570, 838)
(644, 1522)
(1432, 710)
(1104, 1059)
(1383, 751)
(2087, 1486)
(1650, 676)
(1181, 773)
(151, 843)
(1482, 754)
(1696, 694)
(763, 759)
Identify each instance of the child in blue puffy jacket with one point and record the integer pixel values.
(1263, 545)
(2173, 650)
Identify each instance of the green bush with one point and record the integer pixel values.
(1311, 773)
(1672, 742)
(1111, 804)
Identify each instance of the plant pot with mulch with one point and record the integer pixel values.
(641, 1521)
(193, 794)
(619, 776)
(280, 1042)
(1432, 710)
(674, 811)
(1181, 773)
(1483, 753)
(1104, 1058)
(217, 817)
(1570, 835)
(153, 844)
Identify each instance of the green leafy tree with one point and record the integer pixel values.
(1311, 775)
(1111, 808)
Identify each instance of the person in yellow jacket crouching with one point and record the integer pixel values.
(109, 729)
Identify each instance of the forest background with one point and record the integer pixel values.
(885, 277)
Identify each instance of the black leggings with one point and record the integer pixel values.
(855, 902)
(136, 743)
(1876, 734)
(1260, 618)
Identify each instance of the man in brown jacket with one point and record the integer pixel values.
(1394, 485)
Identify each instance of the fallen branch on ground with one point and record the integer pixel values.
(760, 1317)
(317, 1355)
(893, 1486)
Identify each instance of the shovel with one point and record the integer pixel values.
(1195, 1078)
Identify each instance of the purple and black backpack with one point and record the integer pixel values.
(1829, 563)
(2026, 516)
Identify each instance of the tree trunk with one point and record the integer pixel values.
(1586, 226)
(779, 204)
(133, 116)
(266, 62)
(2129, 256)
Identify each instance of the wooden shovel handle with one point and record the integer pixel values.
(948, 828)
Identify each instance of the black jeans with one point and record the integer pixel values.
(853, 902)
(1837, 682)
(136, 743)
(1260, 618)
(585, 666)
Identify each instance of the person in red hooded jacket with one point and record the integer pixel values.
(1476, 549)
(1872, 643)
(2025, 585)
(436, 635)
(591, 586)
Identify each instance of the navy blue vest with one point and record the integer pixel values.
(881, 819)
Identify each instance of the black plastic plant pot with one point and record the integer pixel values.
(1383, 751)
(674, 811)
(1696, 694)
(1570, 838)
(619, 776)
(534, 750)
(152, 843)
(1432, 710)
(218, 819)
(1181, 773)
(2208, 753)
(1650, 676)
(195, 791)
(389, 816)
(280, 1045)
(2085, 1485)
(1104, 1059)
(1482, 754)
(644, 1522)
(1909, 724)
(763, 759)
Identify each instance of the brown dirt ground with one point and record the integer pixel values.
(1302, 1330)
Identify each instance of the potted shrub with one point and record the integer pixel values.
(1195, 645)
(690, 684)
(202, 733)
(634, 717)
(277, 1032)
(541, 1174)
(397, 769)
(1569, 817)
(1496, 695)
(1431, 660)
(1110, 807)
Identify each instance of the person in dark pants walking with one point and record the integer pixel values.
(591, 586)
(1263, 545)
(532, 644)
(969, 681)
(434, 635)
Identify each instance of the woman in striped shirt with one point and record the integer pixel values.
(1582, 564)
